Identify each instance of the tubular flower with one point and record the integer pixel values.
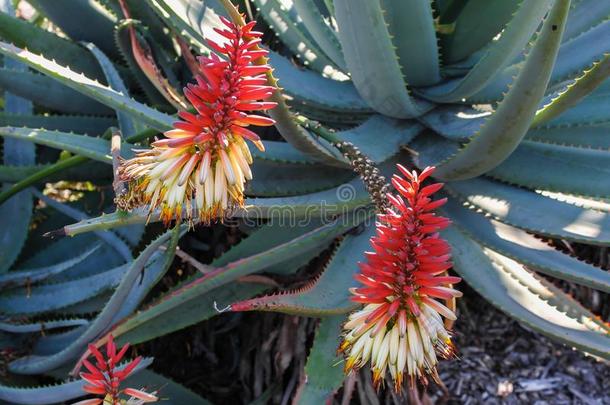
(400, 328)
(104, 379)
(204, 162)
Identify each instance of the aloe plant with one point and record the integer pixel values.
(505, 98)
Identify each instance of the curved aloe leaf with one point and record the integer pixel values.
(582, 86)
(501, 134)
(128, 126)
(323, 372)
(135, 331)
(19, 277)
(189, 295)
(324, 36)
(533, 212)
(80, 124)
(410, 23)
(585, 113)
(109, 237)
(531, 300)
(23, 34)
(17, 212)
(392, 135)
(468, 32)
(93, 148)
(566, 169)
(55, 95)
(325, 93)
(584, 15)
(327, 204)
(574, 57)
(193, 20)
(329, 293)
(293, 37)
(280, 179)
(51, 297)
(148, 257)
(41, 326)
(372, 59)
(70, 14)
(527, 249)
(498, 55)
(89, 87)
(589, 136)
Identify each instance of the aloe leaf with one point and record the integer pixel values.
(52, 297)
(392, 134)
(343, 199)
(589, 136)
(581, 87)
(584, 15)
(13, 174)
(322, 92)
(149, 257)
(193, 20)
(55, 95)
(533, 212)
(585, 112)
(57, 251)
(89, 87)
(134, 331)
(323, 371)
(25, 34)
(531, 300)
(499, 54)
(501, 134)
(109, 237)
(128, 126)
(55, 393)
(372, 60)
(567, 169)
(328, 294)
(412, 28)
(170, 392)
(280, 179)
(123, 40)
(281, 152)
(188, 296)
(17, 212)
(293, 37)
(323, 35)
(527, 249)
(81, 124)
(41, 326)
(19, 277)
(469, 32)
(574, 57)
(70, 14)
(266, 237)
(454, 122)
(93, 148)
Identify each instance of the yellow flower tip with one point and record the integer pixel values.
(398, 380)
(259, 145)
(378, 378)
(349, 364)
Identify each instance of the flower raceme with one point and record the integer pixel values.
(204, 162)
(400, 328)
(104, 379)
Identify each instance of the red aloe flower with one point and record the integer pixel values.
(205, 158)
(104, 379)
(400, 327)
